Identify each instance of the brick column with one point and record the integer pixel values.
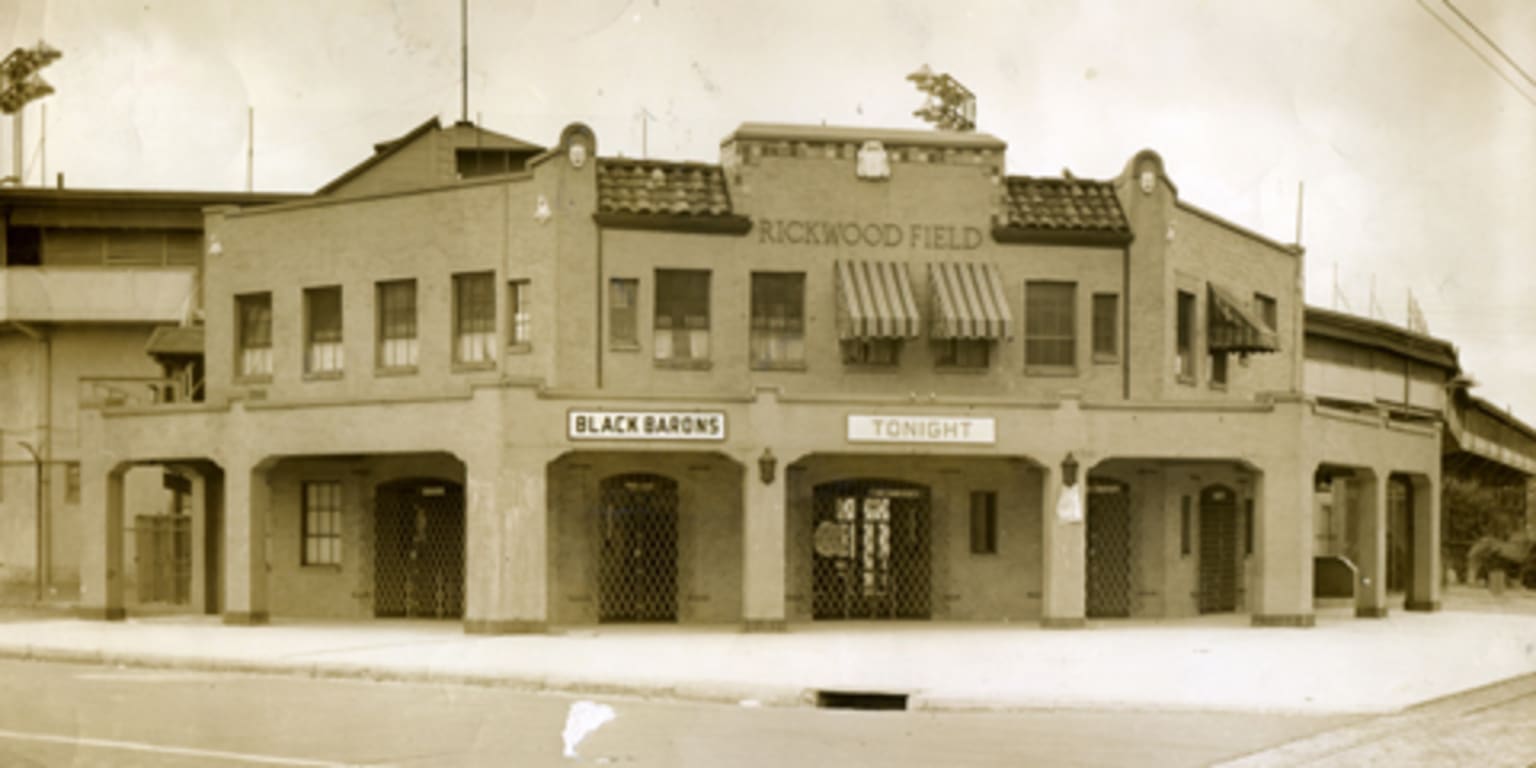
(1368, 495)
(763, 547)
(101, 554)
(507, 557)
(1424, 591)
(247, 503)
(1282, 523)
(1063, 589)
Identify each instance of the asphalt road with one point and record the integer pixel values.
(68, 715)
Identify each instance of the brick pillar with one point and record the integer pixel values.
(507, 557)
(247, 503)
(1063, 589)
(1424, 590)
(101, 555)
(763, 547)
(1369, 496)
(1282, 546)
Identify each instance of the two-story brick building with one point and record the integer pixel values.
(843, 373)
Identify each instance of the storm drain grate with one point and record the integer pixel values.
(870, 700)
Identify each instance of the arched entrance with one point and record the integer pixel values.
(637, 561)
(418, 559)
(1218, 549)
(1110, 553)
(871, 550)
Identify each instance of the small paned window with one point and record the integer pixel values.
(1269, 310)
(397, 324)
(682, 315)
(1184, 357)
(963, 353)
(1248, 527)
(254, 315)
(520, 314)
(1106, 326)
(983, 522)
(72, 482)
(877, 352)
(322, 523)
(778, 319)
(1218, 369)
(322, 339)
(1050, 324)
(623, 313)
(1185, 522)
(474, 318)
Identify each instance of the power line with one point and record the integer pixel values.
(1474, 49)
(1490, 42)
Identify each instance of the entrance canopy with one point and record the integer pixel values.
(874, 301)
(968, 302)
(1233, 327)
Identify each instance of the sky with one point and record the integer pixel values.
(1416, 147)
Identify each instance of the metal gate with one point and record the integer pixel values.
(1218, 549)
(163, 556)
(1110, 552)
(1399, 534)
(418, 556)
(871, 551)
(637, 565)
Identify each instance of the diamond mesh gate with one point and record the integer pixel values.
(1218, 550)
(418, 556)
(1109, 550)
(163, 554)
(637, 562)
(871, 551)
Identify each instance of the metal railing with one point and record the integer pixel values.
(138, 391)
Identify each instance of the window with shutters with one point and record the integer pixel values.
(254, 319)
(322, 337)
(682, 317)
(1106, 327)
(1050, 326)
(623, 313)
(397, 346)
(778, 320)
(474, 318)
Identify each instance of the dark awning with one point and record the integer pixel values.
(874, 301)
(175, 341)
(968, 302)
(1233, 327)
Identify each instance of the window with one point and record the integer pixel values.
(963, 353)
(871, 351)
(1268, 310)
(1106, 328)
(322, 524)
(623, 313)
(397, 324)
(1184, 358)
(520, 315)
(682, 315)
(72, 482)
(1248, 526)
(1185, 523)
(1218, 369)
(1050, 319)
(983, 522)
(322, 338)
(254, 316)
(474, 318)
(778, 319)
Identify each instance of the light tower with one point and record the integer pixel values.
(950, 106)
(20, 84)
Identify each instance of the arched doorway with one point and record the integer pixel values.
(1110, 552)
(418, 557)
(871, 547)
(637, 560)
(1218, 549)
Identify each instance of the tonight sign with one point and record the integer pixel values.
(921, 429)
(646, 425)
(923, 237)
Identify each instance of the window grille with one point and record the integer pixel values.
(1050, 319)
(520, 313)
(255, 318)
(682, 314)
(397, 324)
(623, 312)
(1106, 336)
(778, 318)
(322, 523)
(324, 349)
(474, 318)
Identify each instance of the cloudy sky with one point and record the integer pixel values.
(1418, 156)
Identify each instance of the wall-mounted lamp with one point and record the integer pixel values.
(1069, 470)
(766, 464)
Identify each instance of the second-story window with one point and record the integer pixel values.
(778, 319)
(623, 313)
(1184, 352)
(474, 318)
(682, 315)
(254, 311)
(322, 340)
(1269, 310)
(963, 353)
(1218, 369)
(397, 324)
(1050, 325)
(1106, 326)
(520, 315)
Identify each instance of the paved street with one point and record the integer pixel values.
(56, 714)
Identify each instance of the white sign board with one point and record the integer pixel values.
(921, 429)
(645, 425)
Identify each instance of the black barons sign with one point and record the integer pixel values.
(853, 234)
(645, 425)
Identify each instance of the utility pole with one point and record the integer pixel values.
(645, 123)
(250, 148)
(463, 61)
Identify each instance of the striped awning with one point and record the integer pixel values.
(1233, 327)
(874, 301)
(968, 302)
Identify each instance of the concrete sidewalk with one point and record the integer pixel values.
(1344, 665)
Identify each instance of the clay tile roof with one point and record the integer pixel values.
(660, 187)
(1063, 205)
